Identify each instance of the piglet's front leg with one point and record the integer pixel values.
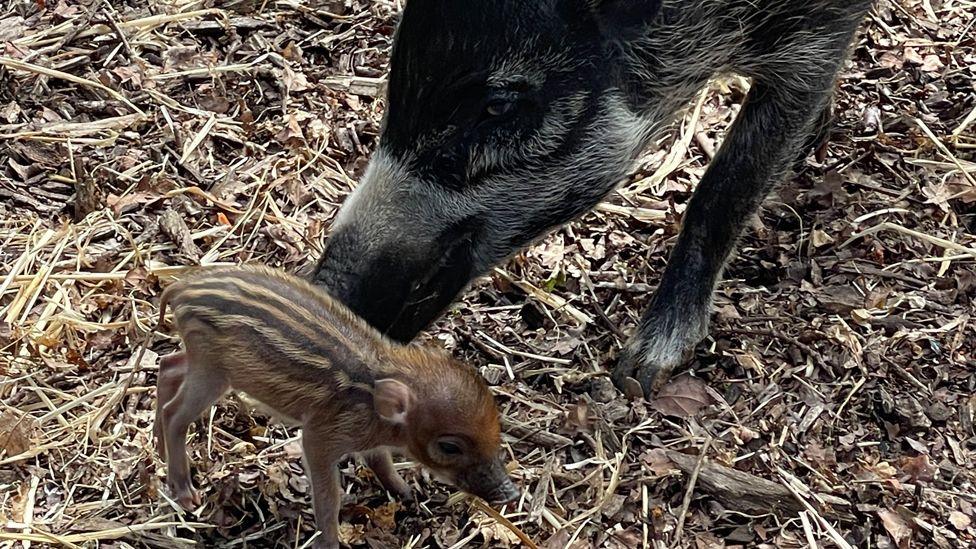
(322, 453)
(381, 463)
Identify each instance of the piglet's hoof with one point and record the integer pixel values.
(406, 495)
(323, 544)
(188, 498)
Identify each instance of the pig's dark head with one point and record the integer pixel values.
(505, 118)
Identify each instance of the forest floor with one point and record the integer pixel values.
(832, 405)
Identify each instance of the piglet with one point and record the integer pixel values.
(297, 351)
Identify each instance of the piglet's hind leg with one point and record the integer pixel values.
(200, 389)
(172, 371)
(320, 465)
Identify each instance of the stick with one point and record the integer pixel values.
(887, 225)
(30, 67)
(690, 490)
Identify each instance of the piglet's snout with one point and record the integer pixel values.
(489, 481)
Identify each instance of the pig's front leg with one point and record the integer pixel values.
(321, 458)
(765, 139)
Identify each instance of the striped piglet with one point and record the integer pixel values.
(305, 356)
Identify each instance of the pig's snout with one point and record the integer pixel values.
(372, 281)
(398, 285)
(490, 482)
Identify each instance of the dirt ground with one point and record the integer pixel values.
(832, 406)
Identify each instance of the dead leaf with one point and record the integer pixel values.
(494, 533)
(819, 239)
(748, 361)
(11, 112)
(16, 432)
(932, 63)
(959, 521)
(898, 528)
(130, 201)
(384, 516)
(577, 417)
(295, 81)
(560, 540)
(291, 134)
(292, 52)
(352, 534)
(918, 468)
(912, 56)
(187, 57)
(656, 461)
(684, 396)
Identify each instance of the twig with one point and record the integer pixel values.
(689, 491)
(887, 225)
(945, 151)
(30, 67)
(499, 518)
(115, 27)
(808, 530)
(831, 531)
(781, 336)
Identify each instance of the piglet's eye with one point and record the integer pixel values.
(449, 448)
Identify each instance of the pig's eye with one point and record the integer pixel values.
(499, 107)
(449, 448)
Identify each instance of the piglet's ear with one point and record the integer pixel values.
(392, 400)
(625, 19)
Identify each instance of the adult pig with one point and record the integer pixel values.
(508, 118)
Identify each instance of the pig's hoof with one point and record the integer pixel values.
(644, 367)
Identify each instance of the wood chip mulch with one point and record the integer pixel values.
(832, 405)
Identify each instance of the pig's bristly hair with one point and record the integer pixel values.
(321, 340)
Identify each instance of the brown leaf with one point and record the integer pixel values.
(656, 461)
(292, 52)
(291, 134)
(820, 239)
(682, 397)
(897, 527)
(912, 56)
(959, 521)
(16, 432)
(130, 201)
(294, 80)
(932, 63)
(918, 468)
(560, 540)
(498, 535)
(384, 516)
(577, 417)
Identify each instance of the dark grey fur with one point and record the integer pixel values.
(507, 118)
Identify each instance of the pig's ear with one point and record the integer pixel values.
(392, 400)
(625, 19)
